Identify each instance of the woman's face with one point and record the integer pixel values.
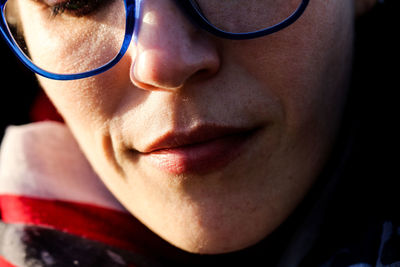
(211, 143)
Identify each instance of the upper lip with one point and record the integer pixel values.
(199, 134)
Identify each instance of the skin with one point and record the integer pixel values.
(290, 85)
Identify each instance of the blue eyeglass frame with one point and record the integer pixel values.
(132, 9)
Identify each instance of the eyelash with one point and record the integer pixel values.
(76, 8)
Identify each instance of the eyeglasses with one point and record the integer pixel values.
(74, 39)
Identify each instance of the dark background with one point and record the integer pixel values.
(18, 89)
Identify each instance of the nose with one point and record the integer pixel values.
(169, 50)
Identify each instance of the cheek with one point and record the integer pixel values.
(86, 109)
(67, 44)
(86, 103)
(307, 65)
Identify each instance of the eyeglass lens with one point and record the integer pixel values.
(67, 36)
(243, 16)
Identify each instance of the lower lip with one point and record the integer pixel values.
(199, 158)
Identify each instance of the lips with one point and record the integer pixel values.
(201, 150)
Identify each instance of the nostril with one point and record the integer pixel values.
(202, 75)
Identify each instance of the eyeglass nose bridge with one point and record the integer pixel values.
(134, 10)
(137, 20)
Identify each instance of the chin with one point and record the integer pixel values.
(214, 243)
(215, 231)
